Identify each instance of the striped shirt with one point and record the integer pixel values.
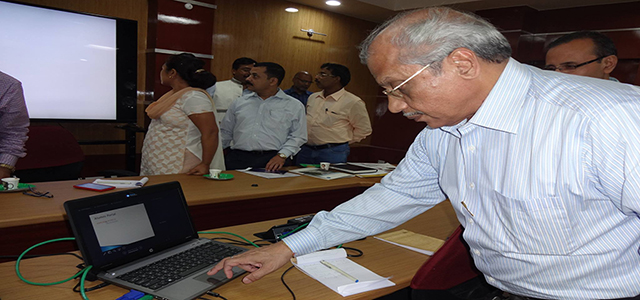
(275, 123)
(549, 171)
(14, 120)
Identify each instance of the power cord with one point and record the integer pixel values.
(216, 295)
(84, 272)
(37, 245)
(285, 284)
(76, 288)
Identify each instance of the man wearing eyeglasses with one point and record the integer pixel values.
(542, 169)
(585, 53)
(335, 118)
(301, 83)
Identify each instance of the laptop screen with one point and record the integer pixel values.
(117, 228)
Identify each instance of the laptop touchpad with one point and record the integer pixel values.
(218, 277)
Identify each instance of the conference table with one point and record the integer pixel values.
(380, 257)
(26, 220)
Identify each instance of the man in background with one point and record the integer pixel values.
(14, 124)
(335, 118)
(225, 92)
(265, 125)
(301, 83)
(585, 53)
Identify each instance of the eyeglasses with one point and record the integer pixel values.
(323, 74)
(34, 193)
(394, 91)
(569, 66)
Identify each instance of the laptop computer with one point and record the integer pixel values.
(127, 235)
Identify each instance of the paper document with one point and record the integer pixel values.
(269, 175)
(413, 241)
(345, 277)
(321, 174)
(123, 183)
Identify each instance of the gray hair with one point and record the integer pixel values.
(438, 31)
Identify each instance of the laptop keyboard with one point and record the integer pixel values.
(175, 267)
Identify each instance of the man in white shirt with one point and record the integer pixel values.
(224, 92)
(541, 168)
(264, 127)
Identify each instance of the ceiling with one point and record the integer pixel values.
(380, 10)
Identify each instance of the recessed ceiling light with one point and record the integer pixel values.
(291, 9)
(333, 3)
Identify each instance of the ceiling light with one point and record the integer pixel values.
(333, 3)
(291, 9)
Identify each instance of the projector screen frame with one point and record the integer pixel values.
(126, 68)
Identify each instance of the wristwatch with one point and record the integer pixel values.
(282, 155)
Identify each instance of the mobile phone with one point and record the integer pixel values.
(94, 187)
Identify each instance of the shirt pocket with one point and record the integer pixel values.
(277, 118)
(536, 225)
(331, 118)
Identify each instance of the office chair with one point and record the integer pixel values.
(451, 275)
(52, 154)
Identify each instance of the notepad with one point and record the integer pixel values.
(413, 241)
(123, 183)
(337, 272)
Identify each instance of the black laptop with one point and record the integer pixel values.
(144, 239)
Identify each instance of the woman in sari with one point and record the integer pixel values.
(183, 134)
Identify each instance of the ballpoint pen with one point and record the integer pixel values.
(332, 267)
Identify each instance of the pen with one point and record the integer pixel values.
(332, 267)
(465, 207)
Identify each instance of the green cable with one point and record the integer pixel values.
(84, 276)
(292, 231)
(224, 232)
(37, 245)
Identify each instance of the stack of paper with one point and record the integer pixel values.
(413, 241)
(123, 183)
(320, 173)
(345, 277)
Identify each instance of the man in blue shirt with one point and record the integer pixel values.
(266, 126)
(299, 90)
(541, 168)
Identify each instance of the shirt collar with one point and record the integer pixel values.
(335, 96)
(236, 81)
(279, 94)
(501, 110)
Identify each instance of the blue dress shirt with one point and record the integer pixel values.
(549, 171)
(301, 97)
(277, 123)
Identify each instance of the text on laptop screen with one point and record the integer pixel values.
(115, 229)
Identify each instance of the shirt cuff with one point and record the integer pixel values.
(304, 242)
(8, 159)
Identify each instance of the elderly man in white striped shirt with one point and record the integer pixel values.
(542, 168)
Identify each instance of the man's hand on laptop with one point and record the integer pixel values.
(259, 262)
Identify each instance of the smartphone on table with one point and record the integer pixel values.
(94, 187)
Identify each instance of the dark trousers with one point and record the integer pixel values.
(331, 153)
(238, 159)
